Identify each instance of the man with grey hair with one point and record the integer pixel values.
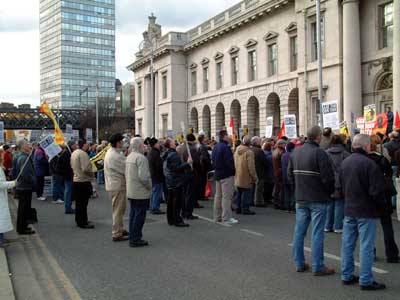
(363, 189)
(312, 175)
(138, 184)
(245, 177)
(261, 170)
(25, 185)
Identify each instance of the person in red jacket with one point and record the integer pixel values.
(7, 160)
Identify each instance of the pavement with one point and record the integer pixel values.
(6, 289)
(249, 260)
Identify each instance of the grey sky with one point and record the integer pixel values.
(19, 36)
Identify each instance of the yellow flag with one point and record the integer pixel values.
(58, 136)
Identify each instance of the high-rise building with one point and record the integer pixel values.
(77, 52)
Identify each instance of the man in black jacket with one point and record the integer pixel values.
(363, 188)
(176, 178)
(157, 176)
(262, 171)
(25, 185)
(312, 176)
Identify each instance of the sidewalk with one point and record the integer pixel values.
(6, 289)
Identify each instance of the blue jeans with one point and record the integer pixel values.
(137, 216)
(394, 198)
(156, 196)
(335, 215)
(306, 213)
(68, 195)
(58, 187)
(243, 198)
(1, 238)
(366, 229)
(100, 177)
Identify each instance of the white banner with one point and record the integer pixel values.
(230, 131)
(89, 135)
(1, 132)
(290, 126)
(330, 114)
(34, 135)
(50, 147)
(75, 134)
(269, 127)
(68, 129)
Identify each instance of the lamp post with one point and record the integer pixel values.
(97, 112)
(319, 51)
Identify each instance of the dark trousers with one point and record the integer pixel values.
(190, 195)
(137, 217)
(39, 186)
(392, 252)
(202, 186)
(268, 190)
(278, 193)
(24, 209)
(81, 192)
(175, 199)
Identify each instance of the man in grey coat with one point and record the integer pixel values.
(138, 181)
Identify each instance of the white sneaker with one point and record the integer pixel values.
(338, 231)
(42, 198)
(59, 201)
(231, 221)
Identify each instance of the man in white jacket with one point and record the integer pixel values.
(114, 172)
(138, 181)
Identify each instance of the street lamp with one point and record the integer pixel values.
(319, 51)
(86, 89)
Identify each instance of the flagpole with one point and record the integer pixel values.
(97, 112)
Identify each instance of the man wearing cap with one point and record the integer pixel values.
(157, 176)
(115, 184)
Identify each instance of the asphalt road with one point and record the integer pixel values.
(250, 260)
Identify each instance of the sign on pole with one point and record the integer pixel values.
(50, 147)
(290, 126)
(330, 114)
(1, 132)
(269, 127)
(89, 135)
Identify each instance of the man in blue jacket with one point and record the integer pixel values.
(224, 167)
(312, 176)
(363, 188)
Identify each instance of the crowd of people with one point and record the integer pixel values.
(337, 184)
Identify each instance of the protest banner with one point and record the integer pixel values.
(75, 134)
(22, 134)
(50, 147)
(1, 132)
(269, 127)
(290, 126)
(344, 129)
(89, 135)
(330, 114)
(381, 124)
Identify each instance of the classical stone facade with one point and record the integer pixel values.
(259, 59)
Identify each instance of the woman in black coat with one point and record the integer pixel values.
(391, 249)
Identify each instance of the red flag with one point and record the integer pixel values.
(282, 131)
(232, 125)
(397, 120)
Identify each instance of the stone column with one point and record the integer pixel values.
(396, 56)
(352, 95)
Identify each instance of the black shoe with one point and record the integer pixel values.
(354, 279)
(70, 212)
(27, 232)
(125, 233)
(120, 239)
(140, 243)
(262, 205)
(238, 211)
(248, 212)
(373, 286)
(87, 226)
(182, 225)
(191, 217)
(198, 206)
(157, 212)
(394, 260)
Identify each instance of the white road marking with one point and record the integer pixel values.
(212, 221)
(252, 232)
(335, 257)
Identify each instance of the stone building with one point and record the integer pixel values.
(259, 59)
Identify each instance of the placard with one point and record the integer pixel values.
(230, 131)
(89, 135)
(75, 134)
(22, 134)
(170, 133)
(269, 127)
(290, 126)
(50, 147)
(1, 132)
(34, 135)
(330, 114)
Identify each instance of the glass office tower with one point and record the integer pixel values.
(77, 52)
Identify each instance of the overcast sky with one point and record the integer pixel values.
(19, 36)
